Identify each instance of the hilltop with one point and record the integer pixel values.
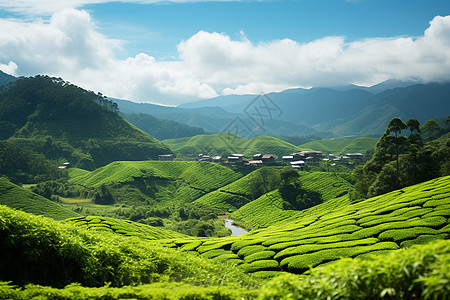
(227, 143)
(63, 121)
(342, 145)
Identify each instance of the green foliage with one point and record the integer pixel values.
(63, 121)
(401, 160)
(243, 190)
(123, 227)
(42, 251)
(25, 166)
(337, 228)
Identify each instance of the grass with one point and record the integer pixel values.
(158, 263)
(74, 200)
(244, 190)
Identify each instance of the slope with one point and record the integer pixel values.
(66, 122)
(273, 207)
(162, 129)
(19, 198)
(342, 146)
(226, 143)
(413, 215)
(243, 190)
(159, 182)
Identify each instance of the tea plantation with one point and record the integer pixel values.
(123, 227)
(19, 198)
(157, 182)
(335, 229)
(268, 209)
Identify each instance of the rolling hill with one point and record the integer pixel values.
(369, 235)
(342, 146)
(157, 182)
(227, 143)
(19, 198)
(65, 122)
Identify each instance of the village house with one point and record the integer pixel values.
(202, 157)
(287, 158)
(236, 160)
(298, 164)
(165, 157)
(308, 156)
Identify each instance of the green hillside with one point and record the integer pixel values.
(19, 198)
(271, 208)
(335, 229)
(342, 146)
(65, 122)
(243, 190)
(156, 182)
(227, 143)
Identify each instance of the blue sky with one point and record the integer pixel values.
(181, 51)
(158, 28)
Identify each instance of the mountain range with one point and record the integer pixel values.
(344, 111)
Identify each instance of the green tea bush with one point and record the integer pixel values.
(421, 272)
(42, 251)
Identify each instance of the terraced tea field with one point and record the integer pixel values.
(342, 146)
(19, 198)
(268, 209)
(123, 227)
(228, 143)
(241, 191)
(184, 181)
(335, 229)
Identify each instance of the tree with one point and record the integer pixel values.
(431, 130)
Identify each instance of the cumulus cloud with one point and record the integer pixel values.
(210, 63)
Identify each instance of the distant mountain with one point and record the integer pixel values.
(162, 129)
(347, 110)
(6, 78)
(63, 121)
(215, 119)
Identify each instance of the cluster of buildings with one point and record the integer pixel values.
(297, 160)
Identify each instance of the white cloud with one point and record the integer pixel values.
(9, 68)
(209, 64)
